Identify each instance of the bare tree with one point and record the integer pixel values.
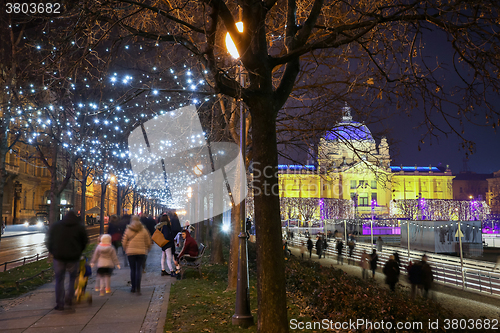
(337, 208)
(372, 49)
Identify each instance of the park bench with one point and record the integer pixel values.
(194, 262)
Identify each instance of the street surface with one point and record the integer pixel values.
(18, 247)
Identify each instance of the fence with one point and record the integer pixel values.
(476, 276)
(25, 260)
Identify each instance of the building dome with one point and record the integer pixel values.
(349, 130)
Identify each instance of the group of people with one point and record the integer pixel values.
(67, 238)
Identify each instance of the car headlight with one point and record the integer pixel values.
(26, 224)
(39, 224)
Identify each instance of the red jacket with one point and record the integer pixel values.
(190, 246)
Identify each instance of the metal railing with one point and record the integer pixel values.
(25, 260)
(478, 276)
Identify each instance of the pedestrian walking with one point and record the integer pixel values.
(105, 259)
(136, 242)
(167, 251)
(380, 244)
(497, 265)
(364, 263)
(340, 248)
(310, 246)
(396, 257)
(373, 262)
(116, 231)
(427, 276)
(325, 246)
(351, 246)
(319, 246)
(302, 249)
(66, 240)
(391, 272)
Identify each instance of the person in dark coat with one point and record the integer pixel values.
(116, 232)
(340, 249)
(66, 240)
(373, 262)
(167, 252)
(325, 246)
(319, 246)
(396, 257)
(310, 246)
(351, 246)
(149, 223)
(391, 272)
(427, 275)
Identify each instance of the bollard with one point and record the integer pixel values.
(37, 257)
(24, 261)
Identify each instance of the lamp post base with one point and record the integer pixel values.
(242, 320)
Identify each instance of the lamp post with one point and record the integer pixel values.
(242, 315)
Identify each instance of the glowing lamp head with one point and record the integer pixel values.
(198, 170)
(231, 47)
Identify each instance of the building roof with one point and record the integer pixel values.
(296, 167)
(414, 168)
(348, 130)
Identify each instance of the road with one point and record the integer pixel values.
(18, 247)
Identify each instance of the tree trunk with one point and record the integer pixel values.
(3, 176)
(272, 310)
(83, 199)
(118, 201)
(232, 265)
(104, 186)
(216, 255)
(54, 196)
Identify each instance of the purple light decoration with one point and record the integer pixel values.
(473, 209)
(322, 209)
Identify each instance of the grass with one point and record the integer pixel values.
(202, 304)
(8, 287)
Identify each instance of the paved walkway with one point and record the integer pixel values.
(470, 304)
(120, 311)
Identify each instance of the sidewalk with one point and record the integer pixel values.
(459, 301)
(120, 311)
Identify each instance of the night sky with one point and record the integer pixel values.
(447, 151)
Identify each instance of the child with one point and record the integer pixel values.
(106, 259)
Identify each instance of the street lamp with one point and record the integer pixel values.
(242, 315)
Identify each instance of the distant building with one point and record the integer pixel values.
(470, 185)
(352, 166)
(493, 194)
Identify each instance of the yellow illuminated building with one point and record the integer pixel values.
(352, 166)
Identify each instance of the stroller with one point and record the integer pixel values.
(81, 282)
